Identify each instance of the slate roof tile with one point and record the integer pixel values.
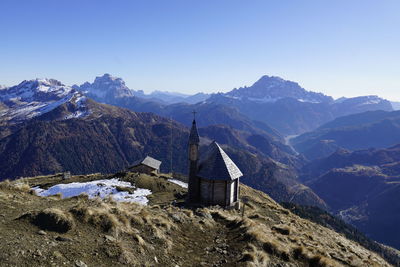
(148, 161)
(218, 165)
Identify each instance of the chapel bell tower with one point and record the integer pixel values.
(194, 140)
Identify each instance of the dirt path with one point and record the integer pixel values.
(210, 245)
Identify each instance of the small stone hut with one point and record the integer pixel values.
(214, 180)
(147, 165)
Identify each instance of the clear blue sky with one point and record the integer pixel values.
(338, 47)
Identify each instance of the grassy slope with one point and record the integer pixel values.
(324, 218)
(106, 233)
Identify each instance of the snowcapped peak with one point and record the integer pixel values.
(273, 88)
(49, 82)
(108, 78)
(41, 82)
(372, 96)
(106, 86)
(368, 100)
(32, 90)
(272, 81)
(33, 98)
(364, 101)
(266, 78)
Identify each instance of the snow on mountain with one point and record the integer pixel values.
(373, 99)
(33, 98)
(362, 100)
(340, 100)
(105, 87)
(110, 89)
(395, 105)
(270, 89)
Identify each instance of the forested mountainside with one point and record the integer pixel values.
(362, 187)
(324, 218)
(108, 139)
(373, 129)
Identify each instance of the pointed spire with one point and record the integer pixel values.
(194, 135)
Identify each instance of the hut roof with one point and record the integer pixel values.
(194, 135)
(148, 161)
(218, 165)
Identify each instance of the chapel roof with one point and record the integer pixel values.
(218, 165)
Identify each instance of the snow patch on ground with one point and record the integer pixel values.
(180, 183)
(77, 114)
(83, 111)
(98, 188)
(80, 101)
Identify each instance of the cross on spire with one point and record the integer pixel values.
(194, 114)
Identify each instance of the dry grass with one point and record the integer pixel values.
(20, 185)
(257, 235)
(275, 248)
(139, 239)
(300, 253)
(279, 248)
(282, 229)
(253, 257)
(132, 234)
(51, 219)
(188, 213)
(56, 196)
(127, 218)
(322, 261)
(107, 215)
(264, 241)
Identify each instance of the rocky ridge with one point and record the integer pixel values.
(272, 88)
(34, 98)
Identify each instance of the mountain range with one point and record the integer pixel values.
(108, 87)
(104, 126)
(273, 101)
(107, 139)
(292, 116)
